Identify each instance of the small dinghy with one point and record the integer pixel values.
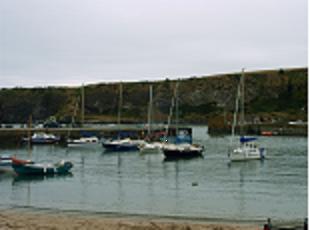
(24, 167)
(5, 163)
(83, 142)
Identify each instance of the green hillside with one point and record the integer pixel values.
(278, 95)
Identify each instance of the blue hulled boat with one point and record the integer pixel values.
(42, 138)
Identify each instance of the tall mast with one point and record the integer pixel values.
(242, 104)
(29, 133)
(176, 107)
(149, 118)
(82, 105)
(120, 102)
(170, 112)
(235, 114)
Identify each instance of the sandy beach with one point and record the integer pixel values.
(52, 221)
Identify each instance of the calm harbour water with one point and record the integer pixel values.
(130, 183)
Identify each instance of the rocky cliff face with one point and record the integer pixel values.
(268, 93)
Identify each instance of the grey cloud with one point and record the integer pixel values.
(64, 42)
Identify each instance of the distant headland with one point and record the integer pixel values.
(275, 97)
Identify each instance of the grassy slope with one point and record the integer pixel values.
(271, 94)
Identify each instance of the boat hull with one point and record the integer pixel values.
(186, 154)
(152, 148)
(120, 147)
(5, 163)
(83, 142)
(82, 145)
(248, 155)
(44, 142)
(22, 168)
(41, 141)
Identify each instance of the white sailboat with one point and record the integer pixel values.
(83, 141)
(150, 147)
(247, 148)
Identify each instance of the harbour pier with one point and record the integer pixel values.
(13, 136)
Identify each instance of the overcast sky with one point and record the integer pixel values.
(69, 42)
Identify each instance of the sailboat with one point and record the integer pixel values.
(121, 144)
(247, 148)
(181, 150)
(88, 140)
(150, 147)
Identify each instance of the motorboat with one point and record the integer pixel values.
(26, 167)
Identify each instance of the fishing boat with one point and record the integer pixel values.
(182, 151)
(247, 148)
(25, 167)
(42, 138)
(179, 150)
(83, 142)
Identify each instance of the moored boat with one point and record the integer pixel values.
(183, 147)
(121, 145)
(182, 151)
(83, 142)
(247, 149)
(42, 138)
(5, 163)
(24, 167)
(5, 160)
(154, 147)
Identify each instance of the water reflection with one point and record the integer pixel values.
(37, 178)
(128, 182)
(244, 174)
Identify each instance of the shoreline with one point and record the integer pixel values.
(25, 219)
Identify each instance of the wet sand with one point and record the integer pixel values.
(51, 221)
